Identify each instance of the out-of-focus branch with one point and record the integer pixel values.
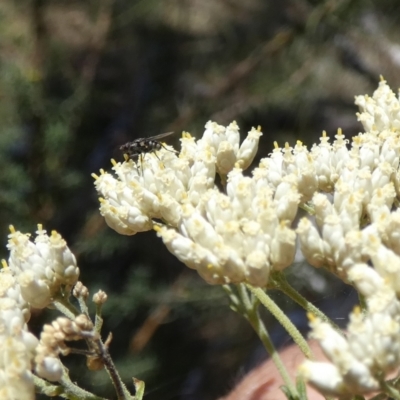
(37, 118)
(88, 72)
(240, 72)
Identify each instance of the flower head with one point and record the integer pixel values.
(41, 267)
(236, 235)
(17, 345)
(241, 227)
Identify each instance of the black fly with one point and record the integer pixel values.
(144, 145)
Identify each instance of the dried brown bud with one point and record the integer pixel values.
(80, 290)
(100, 297)
(94, 363)
(83, 323)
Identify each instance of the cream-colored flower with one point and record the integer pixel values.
(240, 228)
(346, 373)
(312, 245)
(244, 231)
(248, 148)
(226, 236)
(42, 267)
(381, 111)
(323, 376)
(17, 345)
(16, 381)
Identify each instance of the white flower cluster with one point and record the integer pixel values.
(35, 273)
(17, 345)
(236, 236)
(41, 268)
(242, 232)
(360, 225)
(371, 348)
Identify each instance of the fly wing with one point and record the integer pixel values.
(160, 136)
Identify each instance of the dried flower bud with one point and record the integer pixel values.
(100, 297)
(94, 363)
(80, 291)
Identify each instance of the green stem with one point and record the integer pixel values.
(363, 303)
(98, 319)
(224, 181)
(279, 282)
(120, 388)
(67, 390)
(83, 306)
(287, 324)
(63, 305)
(309, 209)
(249, 311)
(75, 392)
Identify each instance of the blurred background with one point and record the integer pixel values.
(80, 78)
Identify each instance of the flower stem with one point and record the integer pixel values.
(73, 391)
(248, 307)
(271, 306)
(120, 388)
(363, 303)
(67, 389)
(308, 208)
(279, 282)
(63, 305)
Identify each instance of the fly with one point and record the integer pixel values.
(144, 145)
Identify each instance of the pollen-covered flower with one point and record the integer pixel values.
(41, 267)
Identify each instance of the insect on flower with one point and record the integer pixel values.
(141, 146)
